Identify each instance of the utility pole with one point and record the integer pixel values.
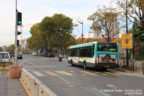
(16, 28)
(127, 63)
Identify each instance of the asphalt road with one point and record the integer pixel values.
(65, 80)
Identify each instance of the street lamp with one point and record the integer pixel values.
(81, 22)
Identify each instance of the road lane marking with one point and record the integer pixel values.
(64, 72)
(89, 73)
(97, 72)
(25, 87)
(72, 71)
(51, 73)
(4, 68)
(111, 73)
(37, 73)
(66, 81)
(110, 86)
(40, 66)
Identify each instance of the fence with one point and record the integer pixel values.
(135, 66)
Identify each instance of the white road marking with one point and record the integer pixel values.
(110, 85)
(37, 73)
(40, 66)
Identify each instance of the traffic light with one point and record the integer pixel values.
(19, 18)
(18, 33)
(17, 42)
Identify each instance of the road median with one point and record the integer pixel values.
(33, 86)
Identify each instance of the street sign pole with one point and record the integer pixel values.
(16, 28)
(127, 63)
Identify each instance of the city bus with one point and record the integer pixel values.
(101, 55)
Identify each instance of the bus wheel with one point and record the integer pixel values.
(104, 69)
(72, 63)
(84, 66)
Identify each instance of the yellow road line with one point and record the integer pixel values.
(111, 73)
(40, 66)
(66, 81)
(5, 68)
(65, 73)
(25, 87)
(51, 73)
(89, 73)
(97, 72)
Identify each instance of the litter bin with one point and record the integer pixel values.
(60, 58)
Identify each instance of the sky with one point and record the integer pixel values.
(33, 11)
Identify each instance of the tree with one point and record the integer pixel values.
(136, 17)
(86, 40)
(135, 14)
(10, 48)
(36, 41)
(108, 19)
(57, 30)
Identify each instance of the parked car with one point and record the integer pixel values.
(11, 54)
(5, 57)
(34, 53)
(19, 56)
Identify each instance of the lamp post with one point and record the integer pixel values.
(81, 22)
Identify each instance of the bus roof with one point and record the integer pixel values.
(82, 45)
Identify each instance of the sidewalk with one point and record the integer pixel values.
(10, 87)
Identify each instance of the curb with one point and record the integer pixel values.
(33, 86)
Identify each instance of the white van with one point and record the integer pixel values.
(5, 57)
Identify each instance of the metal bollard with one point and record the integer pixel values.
(143, 67)
(124, 63)
(133, 65)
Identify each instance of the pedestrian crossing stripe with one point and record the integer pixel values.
(84, 72)
(89, 73)
(51, 73)
(65, 73)
(38, 73)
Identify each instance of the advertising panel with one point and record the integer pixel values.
(107, 58)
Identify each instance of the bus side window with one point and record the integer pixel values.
(78, 52)
(74, 52)
(82, 52)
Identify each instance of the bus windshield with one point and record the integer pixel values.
(112, 47)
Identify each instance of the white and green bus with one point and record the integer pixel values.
(95, 55)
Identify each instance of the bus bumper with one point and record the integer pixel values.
(107, 65)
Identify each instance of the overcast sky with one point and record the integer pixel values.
(35, 10)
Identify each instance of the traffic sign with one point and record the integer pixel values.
(127, 41)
